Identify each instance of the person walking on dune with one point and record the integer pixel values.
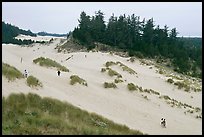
(58, 73)
(25, 73)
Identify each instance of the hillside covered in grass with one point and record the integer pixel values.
(30, 114)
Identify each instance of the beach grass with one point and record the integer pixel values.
(33, 82)
(10, 72)
(31, 114)
(109, 85)
(76, 79)
(50, 63)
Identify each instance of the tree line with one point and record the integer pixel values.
(9, 32)
(134, 35)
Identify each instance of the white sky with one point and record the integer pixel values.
(62, 17)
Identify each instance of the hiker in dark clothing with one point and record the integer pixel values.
(58, 73)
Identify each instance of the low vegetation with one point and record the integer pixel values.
(33, 82)
(32, 115)
(10, 72)
(117, 80)
(126, 68)
(170, 80)
(110, 63)
(114, 73)
(76, 79)
(109, 85)
(50, 63)
(131, 87)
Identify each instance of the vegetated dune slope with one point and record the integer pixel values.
(120, 104)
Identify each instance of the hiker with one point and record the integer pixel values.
(26, 73)
(21, 59)
(163, 122)
(58, 73)
(85, 56)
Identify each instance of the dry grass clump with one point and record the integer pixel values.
(77, 79)
(110, 63)
(131, 87)
(154, 92)
(109, 85)
(165, 97)
(114, 73)
(50, 63)
(170, 80)
(10, 72)
(103, 69)
(118, 80)
(33, 82)
(126, 68)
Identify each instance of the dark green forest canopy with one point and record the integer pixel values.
(134, 35)
(9, 32)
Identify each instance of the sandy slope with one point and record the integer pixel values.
(119, 105)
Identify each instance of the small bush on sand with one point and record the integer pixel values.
(10, 72)
(103, 70)
(109, 85)
(165, 97)
(50, 63)
(110, 63)
(170, 80)
(131, 86)
(118, 80)
(77, 79)
(33, 82)
(114, 73)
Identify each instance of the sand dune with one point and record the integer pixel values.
(119, 105)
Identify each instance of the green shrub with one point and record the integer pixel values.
(126, 68)
(161, 72)
(166, 97)
(10, 72)
(103, 70)
(118, 80)
(33, 82)
(110, 63)
(50, 63)
(77, 79)
(114, 73)
(131, 86)
(131, 71)
(154, 92)
(170, 80)
(109, 85)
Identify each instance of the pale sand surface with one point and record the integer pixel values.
(119, 105)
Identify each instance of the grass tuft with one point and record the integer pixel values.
(131, 86)
(10, 72)
(109, 85)
(76, 79)
(50, 63)
(33, 82)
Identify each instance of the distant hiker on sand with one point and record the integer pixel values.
(58, 73)
(163, 122)
(21, 59)
(26, 73)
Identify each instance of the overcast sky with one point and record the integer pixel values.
(62, 17)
